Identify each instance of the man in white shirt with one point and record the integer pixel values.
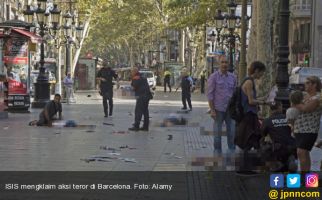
(68, 83)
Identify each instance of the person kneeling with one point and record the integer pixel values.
(48, 113)
(280, 151)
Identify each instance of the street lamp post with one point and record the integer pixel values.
(213, 39)
(231, 25)
(282, 78)
(219, 23)
(244, 27)
(67, 33)
(42, 86)
(42, 91)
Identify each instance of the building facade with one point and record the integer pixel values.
(11, 9)
(316, 34)
(305, 33)
(300, 32)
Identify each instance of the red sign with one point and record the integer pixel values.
(17, 87)
(15, 60)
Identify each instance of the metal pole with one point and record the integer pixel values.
(231, 42)
(282, 78)
(190, 62)
(212, 58)
(42, 86)
(242, 63)
(67, 58)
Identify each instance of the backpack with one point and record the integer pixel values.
(235, 107)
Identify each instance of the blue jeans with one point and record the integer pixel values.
(230, 129)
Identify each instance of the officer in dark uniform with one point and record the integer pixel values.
(166, 80)
(185, 89)
(283, 147)
(202, 81)
(143, 96)
(106, 75)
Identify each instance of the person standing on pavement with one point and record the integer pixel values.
(248, 133)
(221, 85)
(68, 84)
(202, 81)
(143, 96)
(166, 80)
(105, 76)
(248, 129)
(307, 124)
(186, 84)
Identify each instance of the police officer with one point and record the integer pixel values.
(186, 83)
(105, 76)
(202, 81)
(166, 80)
(143, 95)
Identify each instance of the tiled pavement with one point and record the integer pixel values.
(64, 149)
(41, 148)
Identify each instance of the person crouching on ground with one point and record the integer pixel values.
(143, 96)
(47, 115)
(283, 147)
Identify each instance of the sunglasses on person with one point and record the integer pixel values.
(224, 61)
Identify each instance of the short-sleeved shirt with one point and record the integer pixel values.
(277, 128)
(108, 74)
(308, 122)
(52, 108)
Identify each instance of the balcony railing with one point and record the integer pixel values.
(301, 10)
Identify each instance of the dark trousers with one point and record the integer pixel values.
(167, 82)
(186, 97)
(202, 86)
(108, 96)
(42, 120)
(142, 108)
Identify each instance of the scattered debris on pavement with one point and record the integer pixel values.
(127, 147)
(131, 160)
(173, 155)
(120, 132)
(88, 160)
(99, 159)
(114, 154)
(108, 124)
(170, 137)
(108, 148)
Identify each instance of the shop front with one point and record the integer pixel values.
(16, 47)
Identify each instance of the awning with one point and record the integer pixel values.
(33, 37)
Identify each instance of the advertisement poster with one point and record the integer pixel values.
(16, 59)
(2, 79)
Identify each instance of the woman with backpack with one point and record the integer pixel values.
(248, 129)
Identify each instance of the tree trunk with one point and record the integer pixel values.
(262, 42)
